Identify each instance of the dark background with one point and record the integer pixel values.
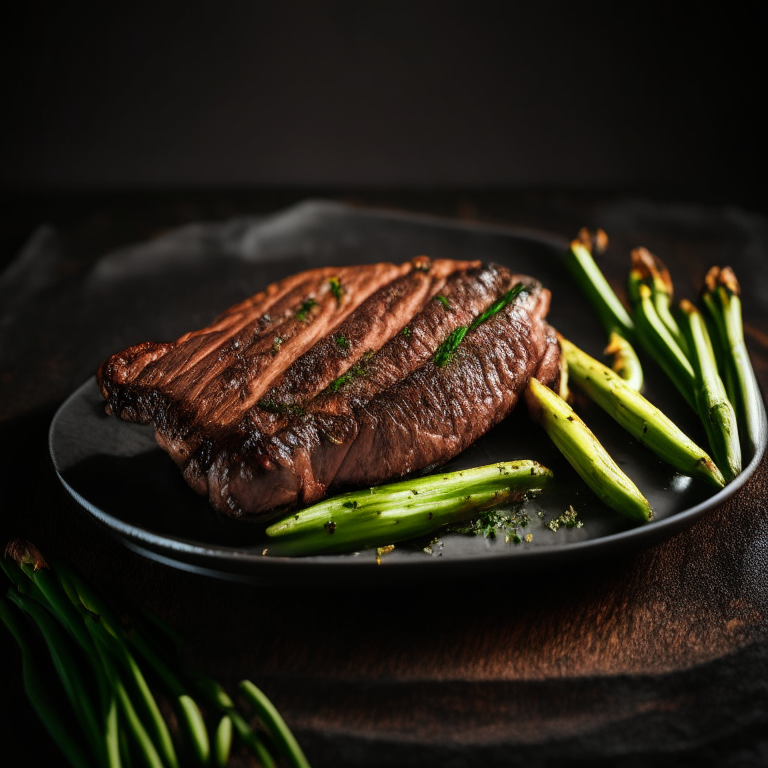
(143, 116)
(382, 95)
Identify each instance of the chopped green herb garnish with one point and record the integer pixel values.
(304, 309)
(444, 301)
(434, 548)
(569, 519)
(491, 521)
(273, 406)
(336, 289)
(358, 369)
(449, 346)
(278, 340)
(337, 384)
(498, 305)
(385, 550)
(406, 331)
(341, 342)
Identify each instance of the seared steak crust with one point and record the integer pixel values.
(328, 380)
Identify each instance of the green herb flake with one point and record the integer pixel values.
(447, 349)
(342, 342)
(385, 550)
(406, 331)
(283, 409)
(358, 369)
(305, 308)
(434, 548)
(444, 301)
(498, 305)
(336, 289)
(494, 522)
(569, 519)
(345, 378)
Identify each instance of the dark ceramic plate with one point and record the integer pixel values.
(120, 476)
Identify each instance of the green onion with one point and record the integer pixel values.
(397, 511)
(306, 307)
(443, 300)
(714, 408)
(610, 311)
(120, 721)
(639, 417)
(37, 686)
(585, 453)
(626, 363)
(651, 271)
(68, 667)
(659, 343)
(722, 298)
(223, 741)
(275, 725)
(106, 648)
(596, 288)
(219, 699)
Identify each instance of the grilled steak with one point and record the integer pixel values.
(337, 377)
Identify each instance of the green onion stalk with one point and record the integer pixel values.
(395, 512)
(217, 698)
(187, 711)
(268, 714)
(91, 658)
(640, 418)
(69, 669)
(626, 364)
(714, 407)
(660, 344)
(614, 318)
(651, 271)
(42, 690)
(584, 452)
(722, 297)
